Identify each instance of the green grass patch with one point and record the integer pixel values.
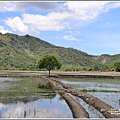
(61, 92)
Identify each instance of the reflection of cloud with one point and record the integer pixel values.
(37, 109)
(21, 110)
(14, 111)
(5, 83)
(1, 105)
(46, 113)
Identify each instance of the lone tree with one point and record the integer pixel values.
(49, 62)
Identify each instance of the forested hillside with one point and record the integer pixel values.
(23, 53)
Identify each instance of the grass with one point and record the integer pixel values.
(97, 80)
(61, 92)
(94, 90)
(63, 72)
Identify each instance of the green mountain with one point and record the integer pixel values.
(23, 53)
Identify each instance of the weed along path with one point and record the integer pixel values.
(78, 110)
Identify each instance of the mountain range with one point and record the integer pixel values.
(23, 52)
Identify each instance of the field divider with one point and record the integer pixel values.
(78, 110)
(107, 110)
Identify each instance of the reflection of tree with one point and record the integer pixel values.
(14, 99)
(45, 86)
(61, 98)
(34, 112)
(49, 92)
(24, 114)
(50, 96)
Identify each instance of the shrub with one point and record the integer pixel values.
(61, 92)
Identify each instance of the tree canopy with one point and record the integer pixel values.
(49, 62)
(117, 66)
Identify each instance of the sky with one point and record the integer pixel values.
(89, 26)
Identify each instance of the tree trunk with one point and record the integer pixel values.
(49, 73)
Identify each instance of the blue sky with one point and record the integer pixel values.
(90, 26)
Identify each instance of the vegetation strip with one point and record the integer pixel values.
(107, 110)
(88, 76)
(77, 110)
(64, 75)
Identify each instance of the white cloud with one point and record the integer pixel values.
(56, 20)
(81, 10)
(38, 5)
(21, 6)
(3, 31)
(85, 10)
(50, 22)
(72, 35)
(3, 6)
(6, 6)
(69, 37)
(72, 10)
(111, 5)
(17, 24)
(34, 23)
(75, 33)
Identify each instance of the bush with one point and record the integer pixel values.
(117, 66)
(61, 92)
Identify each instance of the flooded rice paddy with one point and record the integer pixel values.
(107, 90)
(30, 98)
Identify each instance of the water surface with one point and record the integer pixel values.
(30, 98)
(104, 89)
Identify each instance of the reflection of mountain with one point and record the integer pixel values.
(26, 98)
(44, 91)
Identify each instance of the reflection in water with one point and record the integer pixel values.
(112, 98)
(5, 83)
(25, 90)
(93, 113)
(41, 108)
(31, 98)
(97, 85)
